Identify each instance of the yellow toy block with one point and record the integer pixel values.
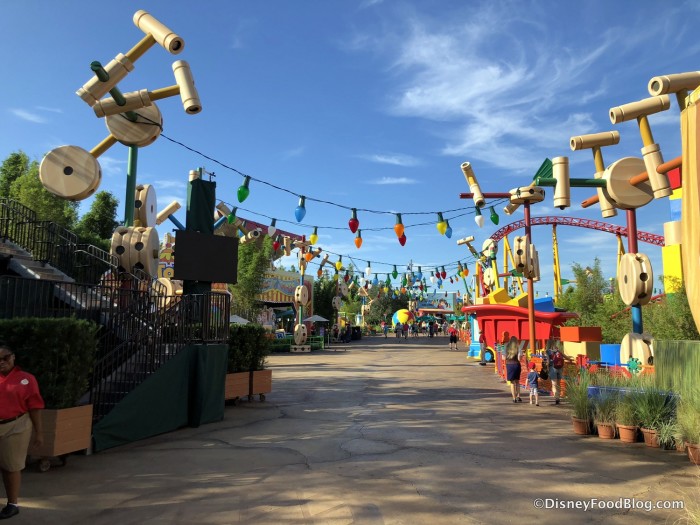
(499, 296)
(590, 349)
(519, 300)
(673, 268)
(676, 194)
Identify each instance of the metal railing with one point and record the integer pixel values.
(140, 330)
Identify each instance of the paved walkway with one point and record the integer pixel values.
(387, 432)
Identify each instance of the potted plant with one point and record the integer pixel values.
(60, 353)
(580, 403)
(688, 418)
(626, 417)
(246, 374)
(604, 407)
(653, 408)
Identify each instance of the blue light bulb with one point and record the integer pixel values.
(300, 210)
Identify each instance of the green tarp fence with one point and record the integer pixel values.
(187, 391)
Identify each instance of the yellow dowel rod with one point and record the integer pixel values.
(139, 49)
(645, 130)
(170, 91)
(598, 159)
(103, 146)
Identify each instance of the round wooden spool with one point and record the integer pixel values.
(489, 277)
(70, 172)
(526, 194)
(337, 302)
(144, 250)
(145, 204)
(121, 247)
(634, 346)
(635, 278)
(300, 334)
(533, 270)
(521, 253)
(301, 295)
(163, 301)
(489, 247)
(623, 194)
(343, 288)
(141, 133)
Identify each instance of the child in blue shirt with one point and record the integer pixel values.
(532, 378)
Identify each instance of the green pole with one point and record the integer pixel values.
(130, 186)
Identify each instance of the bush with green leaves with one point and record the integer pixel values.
(577, 396)
(605, 407)
(654, 407)
(688, 415)
(249, 346)
(626, 410)
(60, 353)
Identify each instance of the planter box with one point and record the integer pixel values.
(236, 385)
(64, 430)
(243, 384)
(581, 333)
(261, 382)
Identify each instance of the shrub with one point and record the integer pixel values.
(248, 348)
(654, 407)
(577, 395)
(688, 416)
(626, 410)
(60, 353)
(604, 408)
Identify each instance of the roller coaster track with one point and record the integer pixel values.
(650, 238)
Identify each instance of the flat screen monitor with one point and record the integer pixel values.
(205, 257)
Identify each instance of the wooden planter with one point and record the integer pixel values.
(237, 385)
(628, 433)
(606, 431)
(65, 430)
(241, 384)
(582, 427)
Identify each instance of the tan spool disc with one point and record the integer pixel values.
(163, 292)
(343, 288)
(337, 302)
(121, 247)
(635, 279)
(623, 194)
(300, 334)
(144, 254)
(525, 194)
(141, 133)
(301, 295)
(70, 172)
(489, 277)
(489, 247)
(533, 270)
(521, 254)
(145, 205)
(634, 346)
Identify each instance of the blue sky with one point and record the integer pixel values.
(369, 104)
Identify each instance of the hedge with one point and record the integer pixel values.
(248, 348)
(60, 353)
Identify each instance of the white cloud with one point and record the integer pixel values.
(393, 159)
(28, 116)
(51, 110)
(393, 180)
(294, 152)
(112, 166)
(168, 184)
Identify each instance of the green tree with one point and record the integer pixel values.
(98, 224)
(587, 297)
(384, 307)
(13, 167)
(28, 190)
(324, 291)
(670, 318)
(253, 261)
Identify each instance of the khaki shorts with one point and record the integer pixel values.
(14, 443)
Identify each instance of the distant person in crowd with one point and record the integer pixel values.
(452, 332)
(405, 331)
(430, 329)
(532, 378)
(482, 346)
(513, 368)
(385, 328)
(556, 368)
(398, 329)
(20, 407)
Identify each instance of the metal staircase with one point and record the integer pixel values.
(49, 274)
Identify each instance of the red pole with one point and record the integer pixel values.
(530, 284)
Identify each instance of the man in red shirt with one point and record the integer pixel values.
(452, 331)
(20, 404)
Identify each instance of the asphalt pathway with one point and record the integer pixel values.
(380, 431)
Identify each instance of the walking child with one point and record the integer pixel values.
(532, 378)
